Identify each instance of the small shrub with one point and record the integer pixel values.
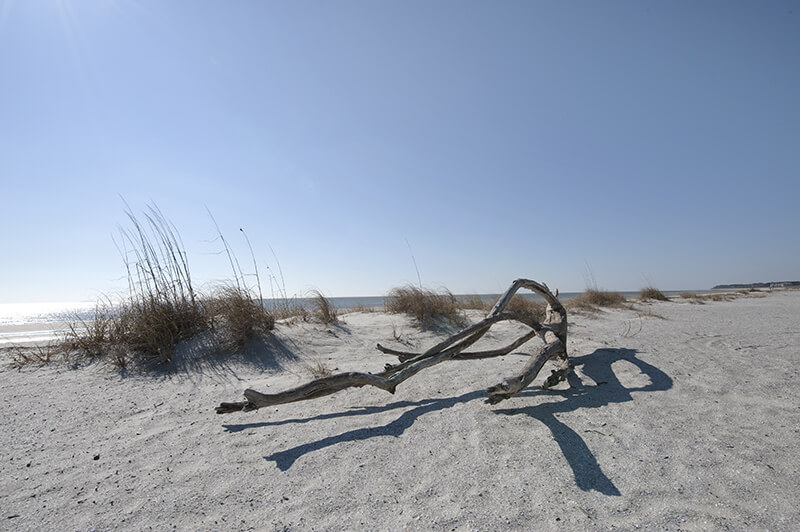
(426, 306)
(593, 298)
(652, 294)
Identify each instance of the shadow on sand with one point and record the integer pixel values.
(587, 472)
(285, 459)
(199, 358)
(607, 390)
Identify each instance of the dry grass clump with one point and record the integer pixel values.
(236, 317)
(519, 304)
(534, 308)
(723, 296)
(474, 302)
(651, 293)
(692, 298)
(151, 327)
(39, 355)
(593, 298)
(323, 309)
(290, 310)
(426, 306)
(146, 329)
(162, 307)
(317, 369)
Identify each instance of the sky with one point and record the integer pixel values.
(363, 145)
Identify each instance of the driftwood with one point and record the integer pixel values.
(552, 331)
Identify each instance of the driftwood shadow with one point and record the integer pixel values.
(285, 459)
(606, 389)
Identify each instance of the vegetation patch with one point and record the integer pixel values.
(317, 369)
(651, 293)
(163, 308)
(324, 310)
(593, 298)
(691, 297)
(237, 318)
(426, 306)
(474, 302)
(534, 308)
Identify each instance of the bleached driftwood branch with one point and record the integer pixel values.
(552, 331)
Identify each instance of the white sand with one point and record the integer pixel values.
(692, 422)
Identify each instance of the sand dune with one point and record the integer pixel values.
(678, 417)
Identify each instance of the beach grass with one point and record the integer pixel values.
(651, 293)
(692, 298)
(534, 308)
(162, 307)
(237, 317)
(323, 309)
(426, 306)
(473, 302)
(593, 298)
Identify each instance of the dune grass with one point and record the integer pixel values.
(519, 304)
(236, 317)
(593, 298)
(289, 310)
(426, 306)
(324, 310)
(701, 299)
(534, 308)
(162, 307)
(650, 293)
(474, 302)
(692, 298)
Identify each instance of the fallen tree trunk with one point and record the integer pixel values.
(552, 331)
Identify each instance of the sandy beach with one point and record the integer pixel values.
(678, 416)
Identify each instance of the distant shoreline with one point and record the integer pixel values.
(771, 284)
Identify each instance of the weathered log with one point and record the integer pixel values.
(553, 332)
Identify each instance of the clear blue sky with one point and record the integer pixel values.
(634, 142)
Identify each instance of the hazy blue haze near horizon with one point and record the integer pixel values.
(622, 144)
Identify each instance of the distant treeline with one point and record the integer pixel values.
(778, 284)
